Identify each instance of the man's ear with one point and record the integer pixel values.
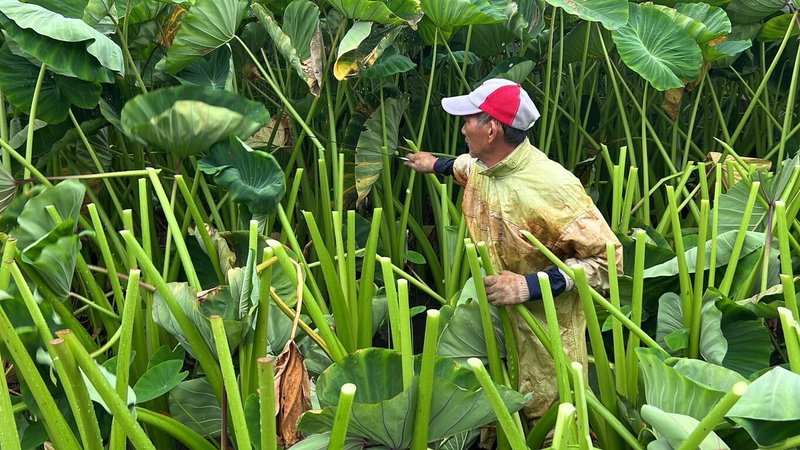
(495, 131)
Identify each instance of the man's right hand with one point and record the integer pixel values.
(422, 162)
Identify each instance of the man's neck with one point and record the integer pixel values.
(501, 151)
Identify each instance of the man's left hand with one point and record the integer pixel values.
(507, 288)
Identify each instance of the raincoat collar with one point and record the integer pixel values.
(524, 154)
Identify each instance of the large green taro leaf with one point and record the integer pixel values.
(253, 178)
(213, 70)
(683, 386)
(361, 46)
(449, 14)
(775, 28)
(34, 221)
(321, 441)
(753, 241)
(752, 11)
(462, 337)
(392, 12)
(770, 409)
(613, 14)
(383, 412)
(713, 345)
(675, 428)
(58, 93)
(390, 63)
(188, 119)
(702, 21)
(72, 8)
(576, 38)
(209, 24)
(194, 404)
(371, 147)
(652, 46)
(68, 46)
(299, 40)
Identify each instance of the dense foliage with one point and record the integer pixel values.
(190, 186)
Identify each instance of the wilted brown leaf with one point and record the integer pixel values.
(292, 394)
(672, 102)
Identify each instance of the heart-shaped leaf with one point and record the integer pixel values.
(392, 12)
(371, 147)
(775, 28)
(652, 46)
(770, 409)
(158, 380)
(613, 14)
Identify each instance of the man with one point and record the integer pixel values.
(509, 186)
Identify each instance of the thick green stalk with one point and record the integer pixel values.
(713, 417)
(789, 327)
(105, 250)
(9, 438)
(260, 335)
(584, 438)
(419, 439)
(683, 268)
(699, 287)
(335, 295)
(350, 266)
(622, 107)
(514, 435)
(9, 252)
(266, 387)
(616, 327)
(605, 377)
(118, 408)
(367, 287)
(636, 312)
(712, 259)
(783, 238)
(391, 301)
(559, 357)
(117, 441)
(444, 243)
(727, 280)
(406, 346)
(565, 425)
(235, 406)
(194, 211)
(634, 329)
(342, 418)
(175, 230)
(495, 364)
(789, 294)
(78, 396)
(172, 427)
(202, 351)
(424, 118)
(30, 303)
(57, 428)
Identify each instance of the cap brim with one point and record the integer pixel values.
(459, 106)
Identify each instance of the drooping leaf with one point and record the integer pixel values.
(188, 119)
(73, 9)
(299, 41)
(670, 317)
(18, 80)
(675, 428)
(613, 14)
(391, 12)
(652, 46)
(770, 409)
(672, 391)
(360, 47)
(371, 147)
(701, 21)
(253, 178)
(749, 346)
(775, 28)
(34, 221)
(713, 345)
(209, 24)
(213, 70)
(159, 380)
(193, 403)
(68, 46)
(752, 11)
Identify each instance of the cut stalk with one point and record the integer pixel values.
(713, 417)
(266, 386)
(727, 280)
(391, 301)
(559, 358)
(514, 435)
(584, 438)
(118, 408)
(406, 345)
(683, 268)
(789, 326)
(117, 440)
(495, 364)
(565, 425)
(342, 418)
(235, 406)
(367, 287)
(419, 439)
(616, 326)
(699, 287)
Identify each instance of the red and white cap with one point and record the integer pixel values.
(502, 99)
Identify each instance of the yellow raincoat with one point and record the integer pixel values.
(528, 191)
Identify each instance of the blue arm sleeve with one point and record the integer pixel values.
(558, 284)
(444, 166)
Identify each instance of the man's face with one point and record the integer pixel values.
(477, 136)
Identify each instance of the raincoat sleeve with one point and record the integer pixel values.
(462, 168)
(584, 241)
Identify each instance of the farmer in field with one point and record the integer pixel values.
(509, 186)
